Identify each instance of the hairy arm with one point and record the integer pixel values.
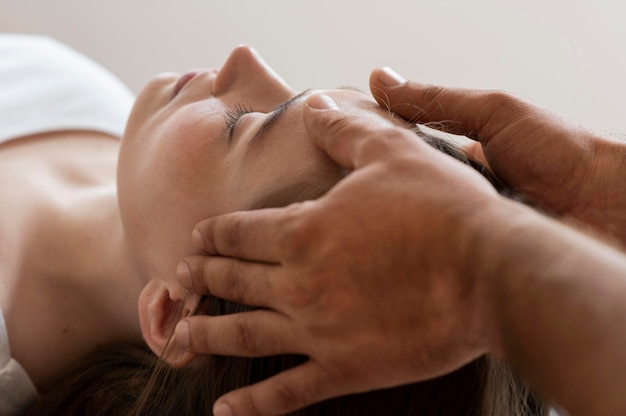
(414, 265)
(562, 165)
(557, 301)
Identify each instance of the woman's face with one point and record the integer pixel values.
(189, 152)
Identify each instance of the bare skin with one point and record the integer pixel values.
(61, 260)
(429, 294)
(569, 169)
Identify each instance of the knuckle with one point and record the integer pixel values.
(301, 295)
(381, 142)
(340, 125)
(403, 167)
(371, 144)
(501, 109)
(251, 407)
(380, 136)
(297, 235)
(289, 396)
(229, 231)
(245, 337)
(503, 100)
(233, 237)
(199, 338)
(202, 235)
(300, 241)
(346, 127)
(234, 287)
(200, 274)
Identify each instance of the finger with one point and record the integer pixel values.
(228, 278)
(478, 114)
(259, 235)
(350, 141)
(245, 334)
(285, 392)
(474, 151)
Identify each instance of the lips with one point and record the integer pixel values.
(183, 80)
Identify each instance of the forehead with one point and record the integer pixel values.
(362, 105)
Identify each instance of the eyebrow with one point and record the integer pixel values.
(276, 113)
(279, 110)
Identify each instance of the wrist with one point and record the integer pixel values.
(607, 183)
(500, 243)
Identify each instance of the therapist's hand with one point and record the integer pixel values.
(372, 282)
(569, 169)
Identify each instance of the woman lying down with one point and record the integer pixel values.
(97, 211)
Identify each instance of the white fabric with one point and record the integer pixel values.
(17, 391)
(46, 86)
(556, 411)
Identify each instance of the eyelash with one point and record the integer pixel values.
(232, 116)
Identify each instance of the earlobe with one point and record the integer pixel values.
(160, 308)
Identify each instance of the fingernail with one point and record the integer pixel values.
(183, 273)
(181, 333)
(196, 238)
(321, 102)
(390, 78)
(222, 409)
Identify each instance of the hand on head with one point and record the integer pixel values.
(377, 282)
(371, 262)
(563, 166)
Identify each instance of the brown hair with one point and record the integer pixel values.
(130, 380)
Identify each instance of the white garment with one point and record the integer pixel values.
(17, 392)
(44, 87)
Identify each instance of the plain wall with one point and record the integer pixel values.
(568, 55)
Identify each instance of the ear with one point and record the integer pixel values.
(160, 308)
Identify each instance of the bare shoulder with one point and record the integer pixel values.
(43, 178)
(39, 174)
(65, 156)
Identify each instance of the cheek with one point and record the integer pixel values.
(193, 161)
(189, 172)
(153, 97)
(172, 175)
(179, 148)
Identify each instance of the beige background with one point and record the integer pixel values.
(569, 55)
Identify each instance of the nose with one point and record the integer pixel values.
(245, 72)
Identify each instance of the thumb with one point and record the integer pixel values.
(350, 141)
(479, 114)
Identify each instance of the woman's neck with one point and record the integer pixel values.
(74, 284)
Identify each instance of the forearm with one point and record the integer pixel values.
(605, 209)
(557, 301)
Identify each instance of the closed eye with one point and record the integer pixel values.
(232, 116)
